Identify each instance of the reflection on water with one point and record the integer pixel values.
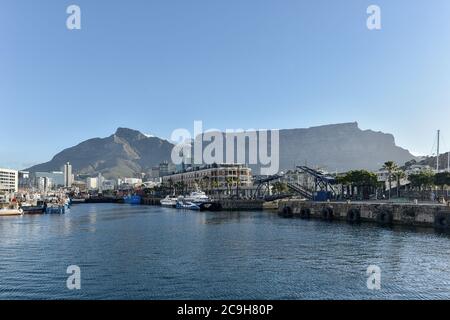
(144, 252)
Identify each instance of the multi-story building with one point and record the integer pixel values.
(44, 184)
(108, 185)
(24, 180)
(55, 179)
(166, 168)
(218, 176)
(68, 177)
(92, 183)
(155, 173)
(9, 180)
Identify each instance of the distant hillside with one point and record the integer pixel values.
(431, 161)
(122, 154)
(338, 147)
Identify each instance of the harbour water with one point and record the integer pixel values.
(147, 252)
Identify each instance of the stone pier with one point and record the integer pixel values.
(425, 215)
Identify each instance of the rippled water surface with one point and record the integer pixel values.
(140, 252)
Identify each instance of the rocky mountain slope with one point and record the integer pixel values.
(338, 147)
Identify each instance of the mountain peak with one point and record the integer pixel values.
(128, 134)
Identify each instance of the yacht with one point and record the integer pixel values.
(169, 201)
(197, 197)
(183, 204)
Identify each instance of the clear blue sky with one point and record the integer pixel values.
(159, 65)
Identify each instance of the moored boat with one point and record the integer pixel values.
(77, 200)
(197, 197)
(169, 201)
(183, 204)
(29, 209)
(11, 212)
(55, 209)
(132, 199)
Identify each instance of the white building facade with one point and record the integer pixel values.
(9, 180)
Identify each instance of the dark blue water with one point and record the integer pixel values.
(140, 252)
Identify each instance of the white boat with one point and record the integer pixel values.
(182, 204)
(169, 201)
(197, 197)
(11, 212)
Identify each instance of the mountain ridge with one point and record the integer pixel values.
(337, 147)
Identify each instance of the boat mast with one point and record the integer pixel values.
(437, 158)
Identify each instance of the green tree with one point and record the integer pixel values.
(238, 183)
(398, 175)
(206, 183)
(229, 182)
(171, 185)
(179, 187)
(422, 179)
(390, 167)
(442, 179)
(363, 180)
(215, 186)
(279, 187)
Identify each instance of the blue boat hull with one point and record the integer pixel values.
(132, 199)
(55, 210)
(189, 206)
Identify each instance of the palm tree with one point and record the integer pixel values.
(238, 183)
(390, 167)
(399, 174)
(171, 185)
(229, 182)
(197, 183)
(206, 183)
(215, 185)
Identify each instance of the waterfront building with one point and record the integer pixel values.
(154, 173)
(44, 184)
(78, 186)
(418, 168)
(215, 176)
(9, 180)
(92, 183)
(166, 168)
(108, 185)
(151, 184)
(129, 181)
(24, 180)
(68, 177)
(100, 180)
(56, 178)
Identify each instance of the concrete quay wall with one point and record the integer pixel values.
(427, 215)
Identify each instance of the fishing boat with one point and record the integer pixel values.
(37, 208)
(132, 199)
(169, 201)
